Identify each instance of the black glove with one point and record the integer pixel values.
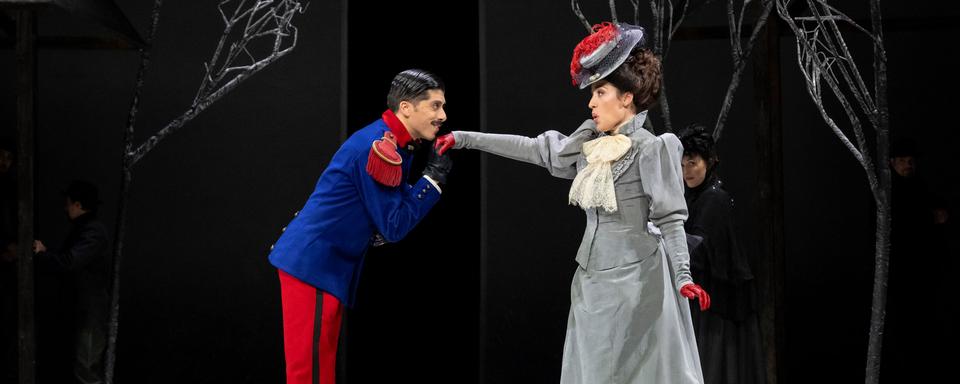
(438, 166)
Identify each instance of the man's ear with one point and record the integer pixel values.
(405, 108)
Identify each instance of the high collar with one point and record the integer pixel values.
(711, 181)
(399, 130)
(632, 125)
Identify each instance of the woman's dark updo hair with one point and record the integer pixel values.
(640, 75)
(697, 140)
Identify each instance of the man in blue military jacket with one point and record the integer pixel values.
(363, 196)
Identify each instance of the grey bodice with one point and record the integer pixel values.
(648, 184)
(621, 237)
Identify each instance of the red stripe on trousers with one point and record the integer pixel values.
(299, 302)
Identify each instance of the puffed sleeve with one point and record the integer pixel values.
(552, 150)
(662, 179)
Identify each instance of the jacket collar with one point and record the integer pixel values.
(399, 130)
(633, 124)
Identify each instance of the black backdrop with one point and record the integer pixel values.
(480, 289)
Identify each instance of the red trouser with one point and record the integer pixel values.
(311, 327)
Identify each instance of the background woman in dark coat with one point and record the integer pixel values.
(728, 334)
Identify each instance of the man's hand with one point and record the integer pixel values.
(443, 143)
(693, 291)
(38, 246)
(438, 166)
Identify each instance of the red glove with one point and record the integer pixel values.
(443, 143)
(693, 291)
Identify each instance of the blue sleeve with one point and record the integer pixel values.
(394, 210)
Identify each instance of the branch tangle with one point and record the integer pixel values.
(253, 22)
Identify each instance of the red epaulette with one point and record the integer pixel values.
(383, 163)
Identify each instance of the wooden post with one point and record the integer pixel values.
(26, 58)
(769, 134)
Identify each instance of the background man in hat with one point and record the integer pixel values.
(362, 198)
(84, 259)
(918, 241)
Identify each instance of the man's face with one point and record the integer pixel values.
(73, 209)
(425, 117)
(904, 166)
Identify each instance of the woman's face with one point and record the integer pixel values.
(610, 107)
(694, 170)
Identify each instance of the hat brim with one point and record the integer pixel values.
(594, 69)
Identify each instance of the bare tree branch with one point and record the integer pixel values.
(575, 5)
(113, 323)
(669, 27)
(837, 45)
(261, 19)
(662, 26)
(636, 11)
(665, 24)
(657, 9)
(740, 54)
(823, 56)
(734, 33)
(882, 122)
(683, 15)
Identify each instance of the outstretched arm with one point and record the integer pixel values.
(552, 150)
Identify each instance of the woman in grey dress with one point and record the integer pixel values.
(628, 322)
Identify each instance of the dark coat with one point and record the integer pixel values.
(728, 334)
(84, 259)
(718, 264)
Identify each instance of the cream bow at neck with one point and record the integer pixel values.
(593, 186)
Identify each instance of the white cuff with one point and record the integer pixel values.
(435, 185)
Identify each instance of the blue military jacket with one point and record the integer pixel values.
(325, 243)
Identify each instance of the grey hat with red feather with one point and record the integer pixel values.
(599, 54)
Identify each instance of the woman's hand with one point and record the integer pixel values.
(693, 291)
(443, 143)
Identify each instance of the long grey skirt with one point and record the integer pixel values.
(629, 325)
